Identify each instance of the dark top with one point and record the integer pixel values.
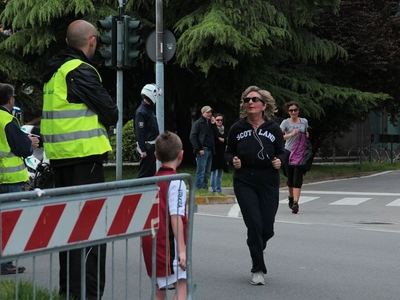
(200, 128)
(218, 161)
(255, 148)
(19, 142)
(146, 126)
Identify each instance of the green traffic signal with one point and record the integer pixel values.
(132, 41)
(108, 41)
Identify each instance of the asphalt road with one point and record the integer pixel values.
(343, 244)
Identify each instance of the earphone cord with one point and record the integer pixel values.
(260, 153)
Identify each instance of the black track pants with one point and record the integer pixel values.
(258, 198)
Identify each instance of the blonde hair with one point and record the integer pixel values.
(269, 101)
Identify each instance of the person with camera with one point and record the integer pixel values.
(14, 145)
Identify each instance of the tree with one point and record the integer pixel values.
(222, 47)
(38, 33)
(369, 31)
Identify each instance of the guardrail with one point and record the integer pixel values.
(35, 223)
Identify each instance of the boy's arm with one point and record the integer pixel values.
(177, 228)
(177, 209)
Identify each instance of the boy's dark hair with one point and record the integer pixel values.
(6, 92)
(168, 146)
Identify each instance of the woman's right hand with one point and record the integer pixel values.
(237, 164)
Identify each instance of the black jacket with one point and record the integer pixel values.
(255, 149)
(218, 161)
(198, 134)
(146, 126)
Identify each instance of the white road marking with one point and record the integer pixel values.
(349, 193)
(303, 199)
(394, 203)
(350, 201)
(235, 211)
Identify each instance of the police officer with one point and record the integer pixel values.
(146, 130)
(14, 144)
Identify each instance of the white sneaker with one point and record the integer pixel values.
(257, 278)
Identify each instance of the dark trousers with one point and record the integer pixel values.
(258, 198)
(78, 174)
(147, 167)
(294, 174)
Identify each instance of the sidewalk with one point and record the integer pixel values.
(228, 191)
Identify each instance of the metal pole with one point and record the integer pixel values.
(160, 63)
(361, 142)
(120, 87)
(160, 66)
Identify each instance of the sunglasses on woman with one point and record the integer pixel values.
(254, 99)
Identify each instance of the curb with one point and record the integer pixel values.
(202, 200)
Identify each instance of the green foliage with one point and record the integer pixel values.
(39, 32)
(128, 143)
(218, 35)
(369, 31)
(25, 291)
(225, 46)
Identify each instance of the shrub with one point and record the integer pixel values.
(128, 143)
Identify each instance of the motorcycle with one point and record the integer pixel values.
(38, 165)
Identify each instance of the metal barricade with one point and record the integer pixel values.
(63, 219)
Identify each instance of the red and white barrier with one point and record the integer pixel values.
(54, 225)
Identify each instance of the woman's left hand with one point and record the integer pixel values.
(276, 163)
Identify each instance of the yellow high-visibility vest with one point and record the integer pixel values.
(70, 130)
(12, 168)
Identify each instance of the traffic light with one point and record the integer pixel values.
(132, 41)
(108, 41)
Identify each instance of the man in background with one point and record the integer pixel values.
(202, 139)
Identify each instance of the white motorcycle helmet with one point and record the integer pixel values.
(151, 92)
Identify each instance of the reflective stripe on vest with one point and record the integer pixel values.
(12, 168)
(70, 130)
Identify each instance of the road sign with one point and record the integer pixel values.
(169, 45)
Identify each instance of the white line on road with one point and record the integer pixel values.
(350, 201)
(352, 178)
(349, 193)
(235, 211)
(394, 203)
(303, 199)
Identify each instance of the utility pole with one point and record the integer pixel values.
(120, 88)
(121, 40)
(160, 66)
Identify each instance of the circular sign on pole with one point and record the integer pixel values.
(169, 45)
